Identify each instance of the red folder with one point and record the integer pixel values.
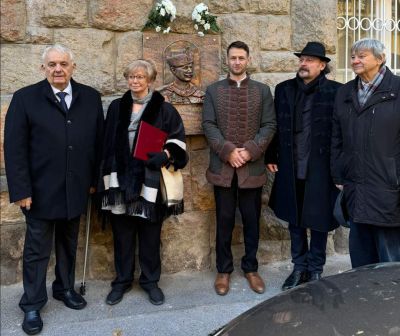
(149, 139)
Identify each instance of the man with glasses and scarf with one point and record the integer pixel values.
(303, 192)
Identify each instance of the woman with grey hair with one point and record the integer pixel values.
(366, 155)
(131, 187)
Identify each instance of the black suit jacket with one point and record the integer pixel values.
(52, 156)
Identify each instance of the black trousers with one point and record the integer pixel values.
(36, 255)
(249, 201)
(370, 244)
(125, 230)
(306, 257)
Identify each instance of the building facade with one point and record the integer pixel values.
(105, 35)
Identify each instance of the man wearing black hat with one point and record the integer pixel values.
(303, 192)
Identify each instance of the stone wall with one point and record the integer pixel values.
(105, 36)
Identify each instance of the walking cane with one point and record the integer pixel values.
(82, 290)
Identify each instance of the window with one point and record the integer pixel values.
(379, 19)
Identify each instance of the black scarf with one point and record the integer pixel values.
(303, 90)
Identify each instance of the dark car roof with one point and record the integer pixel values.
(363, 301)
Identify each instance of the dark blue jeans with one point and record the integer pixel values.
(370, 244)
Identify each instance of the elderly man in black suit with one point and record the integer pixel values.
(53, 131)
(303, 192)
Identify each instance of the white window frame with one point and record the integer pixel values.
(382, 23)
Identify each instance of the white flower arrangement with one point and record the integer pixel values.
(160, 17)
(203, 20)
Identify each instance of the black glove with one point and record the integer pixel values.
(156, 160)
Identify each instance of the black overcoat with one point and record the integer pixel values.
(52, 156)
(366, 152)
(320, 192)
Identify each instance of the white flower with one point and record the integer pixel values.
(194, 14)
(198, 18)
(200, 34)
(206, 12)
(166, 31)
(201, 7)
(196, 27)
(202, 22)
(207, 26)
(162, 12)
(158, 28)
(169, 7)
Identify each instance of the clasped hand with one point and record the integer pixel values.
(238, 157)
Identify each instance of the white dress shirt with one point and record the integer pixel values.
(68, 91)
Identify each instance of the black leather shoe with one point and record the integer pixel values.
(116, 295)
(294, 279)
(33, 323)
(71, 299)
(315, 276)
(156, 296)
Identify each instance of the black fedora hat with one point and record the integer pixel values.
(314, 49)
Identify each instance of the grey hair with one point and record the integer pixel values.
(58, 47)
(376, 47)
(147, 65)
(327, 69)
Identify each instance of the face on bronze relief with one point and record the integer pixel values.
(183, 72)
(182, 90)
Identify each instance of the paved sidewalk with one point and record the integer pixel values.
(191, 307)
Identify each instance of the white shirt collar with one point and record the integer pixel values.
(239, 82)
(67, 90)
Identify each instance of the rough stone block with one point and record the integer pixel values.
(100, 264)
(278, 7)
(5, 102)
(279, 61)
(67, 13)
(309, 24)
(28, 70)
(228, 6)
(330, 244)
(272, 79)
(35, 32)
(187, 191)
(10, 213)
(178, 250)
(129, 49)
(198, 142)
(271, 228)
(12, 243)
(243, 27)
(120, 15)
(13, 19)
(183, 23)
(341, 240)
(275, 32)
(269, 251)
(39, 35)
(202, 191)
(93, 54)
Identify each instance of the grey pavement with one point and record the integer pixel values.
(191, 307)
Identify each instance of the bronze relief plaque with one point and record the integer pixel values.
(187, 64)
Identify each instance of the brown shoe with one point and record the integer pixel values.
(255, 282)
(221, 283)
